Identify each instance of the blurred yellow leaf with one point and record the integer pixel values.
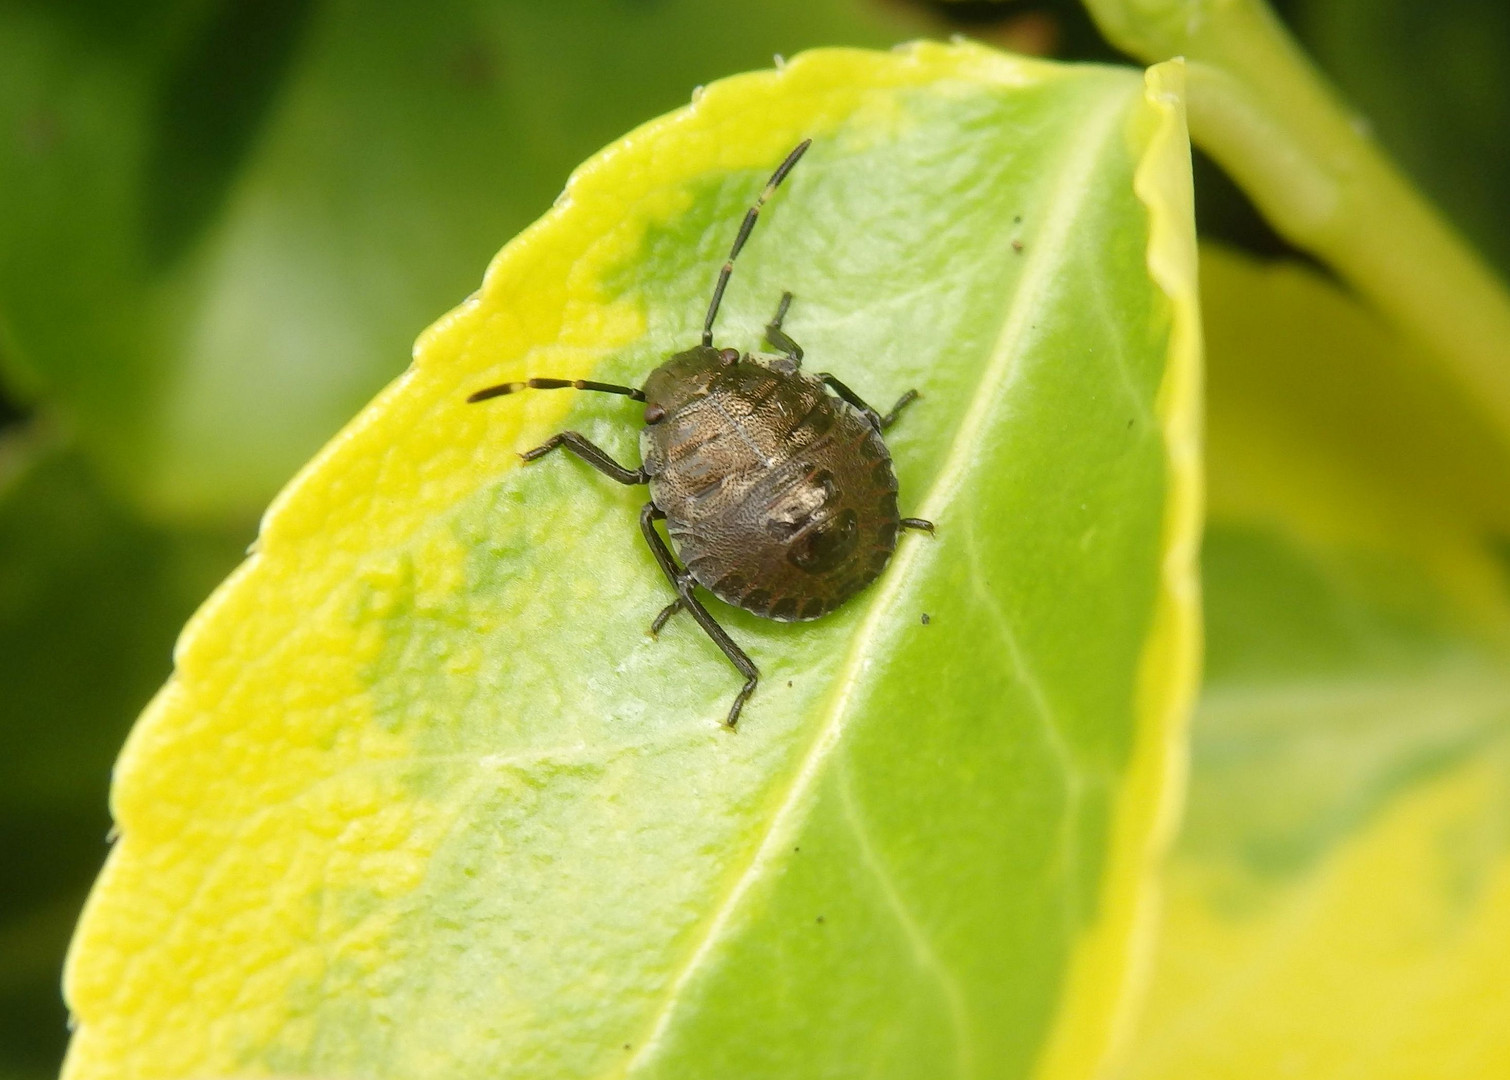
(1339, 900)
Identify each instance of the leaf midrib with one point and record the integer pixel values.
(1071, 185)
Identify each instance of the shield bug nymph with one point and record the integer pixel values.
(775, 485)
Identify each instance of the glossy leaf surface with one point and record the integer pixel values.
(1339, 900)
(424, 799)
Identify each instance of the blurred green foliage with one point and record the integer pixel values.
(223, 223)
(234, 218)
(1434, 81)
(91, 596)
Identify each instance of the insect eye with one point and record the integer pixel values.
(729, 356)
(654, 413)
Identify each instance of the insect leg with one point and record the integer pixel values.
(778, 337)
(919, 524)
(853, 398)
(896, 410)
(665, 615)
(881, 422)
(683, 585)
(589, 453)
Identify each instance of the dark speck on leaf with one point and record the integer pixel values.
(926, 619)
(820, 918)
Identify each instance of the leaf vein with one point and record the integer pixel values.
(924, 955)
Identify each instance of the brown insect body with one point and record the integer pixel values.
(775, 485)
(779, 496)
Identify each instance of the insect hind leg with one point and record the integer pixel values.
(683, 585)
(664, 616)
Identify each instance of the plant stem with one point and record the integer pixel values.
(1263, 112)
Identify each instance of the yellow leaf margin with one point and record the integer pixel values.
(1111, 966)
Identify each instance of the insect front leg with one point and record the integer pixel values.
(779, 338)
(682, 583)
(593, 455)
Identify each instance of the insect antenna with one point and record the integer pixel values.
(744, 233)
(554, 384)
